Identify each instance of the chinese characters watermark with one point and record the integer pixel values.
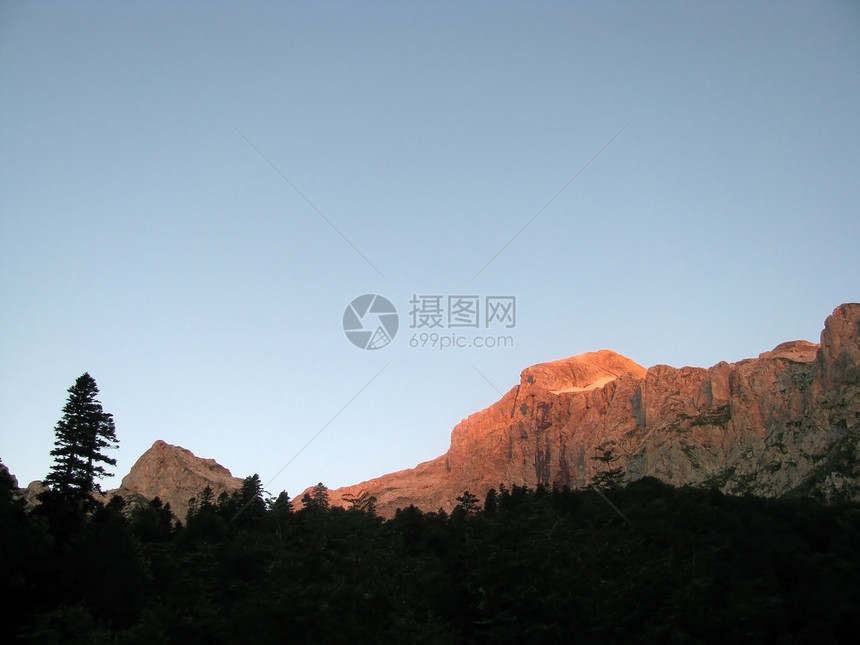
(462, 311)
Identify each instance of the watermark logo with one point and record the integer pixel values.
(370, 321)
(437, 321)
(462, 311)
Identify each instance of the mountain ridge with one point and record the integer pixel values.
(174, 474)
(786, 422)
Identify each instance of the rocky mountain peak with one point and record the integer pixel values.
(580, 373)
(839, 358)
(787, 422)
(175, 475)
(800, 351)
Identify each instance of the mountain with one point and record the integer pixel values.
(787, 422)
(175, 475)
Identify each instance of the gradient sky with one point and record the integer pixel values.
(150, 234)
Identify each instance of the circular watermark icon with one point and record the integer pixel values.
(370, 321)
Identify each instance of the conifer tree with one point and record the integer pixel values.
(364, 501)
(83, 432)
(610, 478)
(468, 502)
(317, 499)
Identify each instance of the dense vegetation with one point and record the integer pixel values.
(526, 566)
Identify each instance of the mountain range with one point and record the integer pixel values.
(784, 423)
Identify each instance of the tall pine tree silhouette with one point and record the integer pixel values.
(83, 432)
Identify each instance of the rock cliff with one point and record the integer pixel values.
(174, 475)
(787, 422)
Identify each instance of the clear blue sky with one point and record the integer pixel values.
(145, 240)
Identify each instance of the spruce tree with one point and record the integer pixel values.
(611, 478)
(83, 432)
(317, 499)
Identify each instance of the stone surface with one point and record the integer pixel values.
(174, 475)
(31, 493)
(787, 422)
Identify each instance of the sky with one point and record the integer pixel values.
(192, 194)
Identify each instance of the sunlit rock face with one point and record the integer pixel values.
(787, 422)
(175, 475)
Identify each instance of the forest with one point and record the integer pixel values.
(521, 566)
